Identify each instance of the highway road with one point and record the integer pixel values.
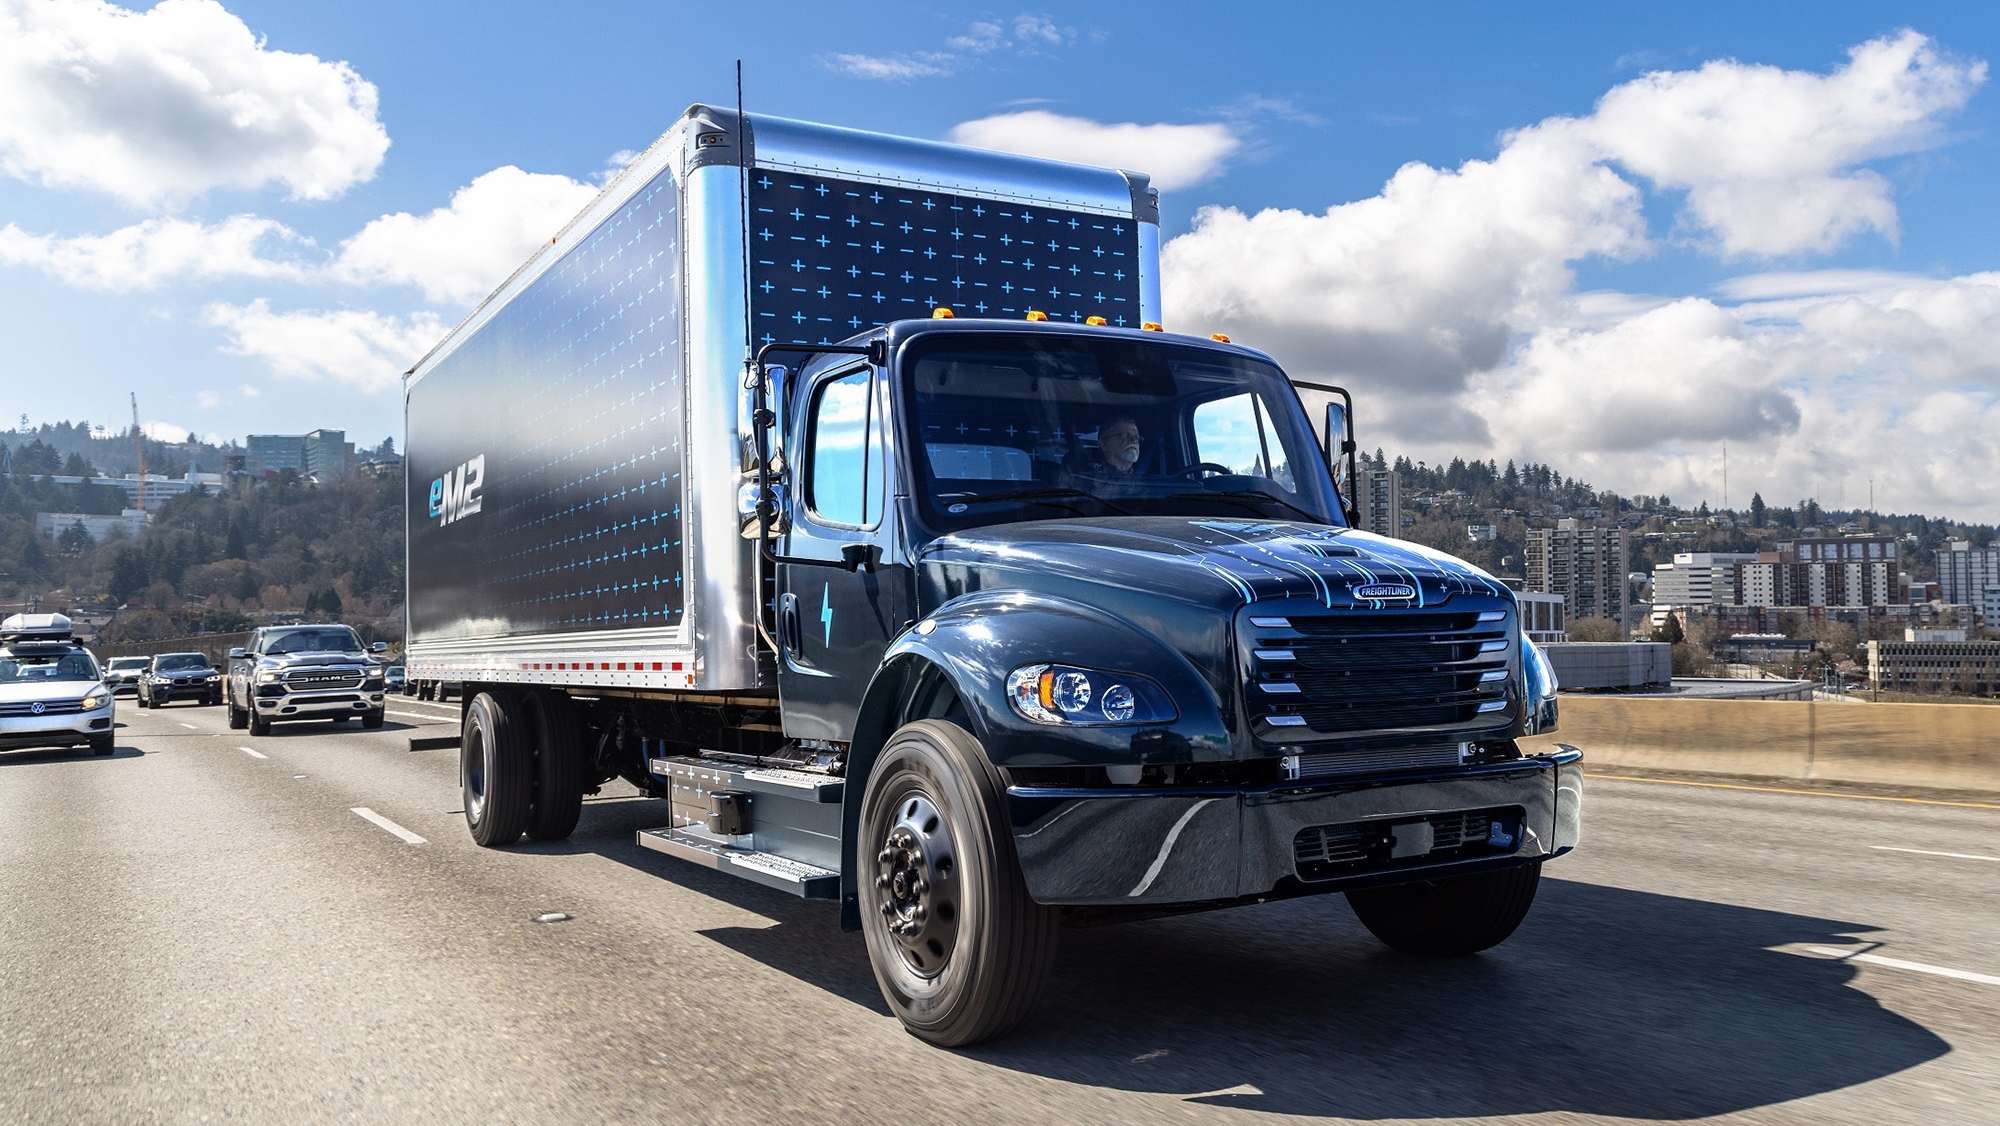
(296, 928)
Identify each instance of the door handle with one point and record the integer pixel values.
(788, 623)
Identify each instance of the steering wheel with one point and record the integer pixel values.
(1206, 467)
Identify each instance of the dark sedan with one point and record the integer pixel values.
(179, 676)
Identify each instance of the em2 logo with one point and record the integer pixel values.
(455, 495)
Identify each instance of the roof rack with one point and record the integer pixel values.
(36, 627)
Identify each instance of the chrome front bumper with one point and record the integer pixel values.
(1136, 847)
(351, 701)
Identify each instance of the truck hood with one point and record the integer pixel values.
(306, 660)
(1216, 564)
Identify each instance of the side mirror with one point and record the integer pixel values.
(379, 647)
(237, 654)
(1340, 455)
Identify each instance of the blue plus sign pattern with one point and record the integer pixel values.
(831, 258)
(573, 393)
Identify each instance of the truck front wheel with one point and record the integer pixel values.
(494, 770)
(1448, 917)
(239, 718)
(958, 948)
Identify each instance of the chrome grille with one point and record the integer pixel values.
(1358, 672)
(17, 709)
(316, 680)
(1322, 852)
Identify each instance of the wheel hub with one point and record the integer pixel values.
(916, 873)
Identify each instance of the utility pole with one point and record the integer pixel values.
(139, 441)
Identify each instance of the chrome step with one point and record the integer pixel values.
(806, 881)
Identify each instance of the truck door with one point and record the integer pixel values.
(844, 590)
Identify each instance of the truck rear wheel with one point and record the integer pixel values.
(959, 949)
(552, 731)
(1449, 917)
(494, 770)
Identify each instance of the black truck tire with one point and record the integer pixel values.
(239, 718)
(959, 949)
(495, 769)
(258, 724)
(558, 750)
(1449, 917)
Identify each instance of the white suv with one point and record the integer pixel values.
(51, 691)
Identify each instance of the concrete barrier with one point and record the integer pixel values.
(1940, 746)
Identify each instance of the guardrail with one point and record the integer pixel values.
(215, 645)
(1940, 746)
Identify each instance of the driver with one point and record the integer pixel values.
(1118, 445)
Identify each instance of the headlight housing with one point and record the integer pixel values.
(163, 680)
(1541, 688)
(96, 698)
(1064, 695)
(268, 676)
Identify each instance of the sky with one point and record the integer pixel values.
(1614, 238)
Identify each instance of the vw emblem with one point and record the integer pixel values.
(1380, 592)
(37, 707)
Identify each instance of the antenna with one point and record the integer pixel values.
(139, 441)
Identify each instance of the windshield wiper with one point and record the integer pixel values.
(1260, 495)
(1045, 495)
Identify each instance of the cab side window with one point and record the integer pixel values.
(1237, 432)
(844, 462)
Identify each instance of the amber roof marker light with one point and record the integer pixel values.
(1220, 337)
(941, 313)
(1152, 326)
(1037, 315)
(1098, 321)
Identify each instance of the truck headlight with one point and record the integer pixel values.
(267, 677)
(96, 698)
(1066, 695)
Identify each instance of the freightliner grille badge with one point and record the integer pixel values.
(1382, 592)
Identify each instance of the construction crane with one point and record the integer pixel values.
(139, 441)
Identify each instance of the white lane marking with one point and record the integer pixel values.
(1928, 852)
(1851, 955)
(420, 715)
(253, 753)
(189, 726)
(1166, 846)
(382, 822)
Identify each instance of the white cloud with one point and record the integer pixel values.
(892, 68)
(1770, 159)
(1176, 156)
(460, 252)
(207, 400)
(364, 349)
(159, 105)
(165, 432)
(146, 254)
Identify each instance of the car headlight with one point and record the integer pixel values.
(95, 699)
(1066, 695)
(160, 681)
(267, 677)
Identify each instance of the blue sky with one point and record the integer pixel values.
(1771, 225)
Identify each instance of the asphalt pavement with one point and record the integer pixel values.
(207, 927)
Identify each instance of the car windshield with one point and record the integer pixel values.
(1033, 427)
(340, 639)
(180, 662)
(30, 668)
(126, 664)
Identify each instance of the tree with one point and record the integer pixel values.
(234, 548)
(76, 466)
(1670, 630)
(1595, 629)
(75, 539)
(1756, 510)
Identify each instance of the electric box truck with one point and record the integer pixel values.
(844, 493)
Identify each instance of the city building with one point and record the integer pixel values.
(1542, 617)
(1699, 578)
(158, 488)
(1964, 667)
(54, 524)
(322, 454)
(1763, 648)
(1849, 571)
(1964, 572)
(1481, 533)
(1382, 503)
(328, 454)
(1587, 566)
(1990, 608)
(268, 453)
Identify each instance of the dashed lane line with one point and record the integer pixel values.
(189, 726)
(1852, 955)
(253, 753)
(421, 715)
(1928, 852)
(387, 825)
(1782, 790)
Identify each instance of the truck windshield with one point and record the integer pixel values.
(1041, 426)
(341, 640)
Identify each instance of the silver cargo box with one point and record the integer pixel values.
(577, 447)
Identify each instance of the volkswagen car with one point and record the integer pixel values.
(52, 694)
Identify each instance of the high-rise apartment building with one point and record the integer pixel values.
(1964, 571)
(1381, 502)
(1699, 578)
(1850, 571)
(1585, 565)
